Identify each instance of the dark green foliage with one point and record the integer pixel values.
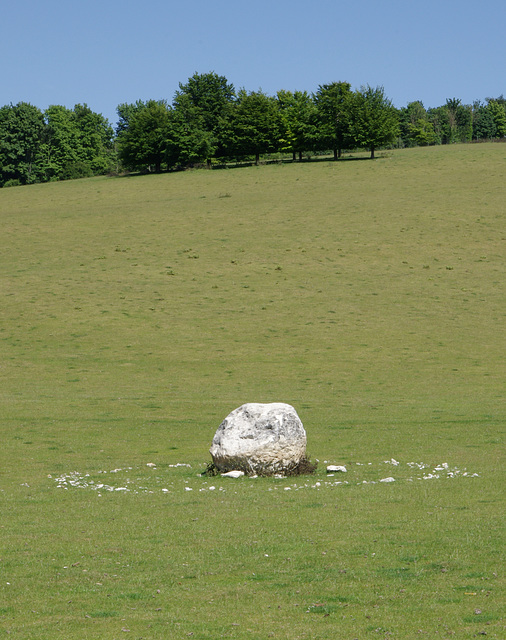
(333, 103)
(484, 126)
(21, 131)
(58, 144)
(189, 141)
(209, 121)
(453, 122)
(416, 128)
(497, 109)
(74, 170)
(254, 126)
(205, 101)
(125, 112)
(299, 128)
(143, 142)
(373, 120)
(77, 143)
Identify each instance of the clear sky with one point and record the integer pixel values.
(107, 52)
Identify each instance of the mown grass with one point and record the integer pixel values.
(138, 312)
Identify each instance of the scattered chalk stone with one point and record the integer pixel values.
(387, 480)
(233, 474)
(333, 468)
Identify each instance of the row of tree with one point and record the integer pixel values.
(57, 144)
(209, 120)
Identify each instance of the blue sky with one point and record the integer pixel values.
(108, 52)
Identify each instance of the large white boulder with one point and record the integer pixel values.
(260, 439)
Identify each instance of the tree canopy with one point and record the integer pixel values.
(208, 120)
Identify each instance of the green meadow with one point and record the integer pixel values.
(137, 312)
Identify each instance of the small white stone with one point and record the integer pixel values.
(233, 474)
(332, 468)
(387, 480)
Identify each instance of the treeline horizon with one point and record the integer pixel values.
(209, 122)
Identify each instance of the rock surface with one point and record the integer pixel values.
(260, 439)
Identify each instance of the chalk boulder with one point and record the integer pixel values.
(263, 439)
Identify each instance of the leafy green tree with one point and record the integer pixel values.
(143, 143)
(189, 142)
(439, 117)
(212, 98)
(77, 143)
(453, 122)
(21, 134)
(460, 121)
(484, 126)
(61, 144)
(332, 105)
(332, 116)
(373, 120)
(298, 122)
(254, 125)
(125, 111)
(497, 109)
(95, 136)
(416, 128)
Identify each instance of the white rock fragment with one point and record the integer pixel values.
(333, 468)
(233, 474)
(390, 479)
(150, 464)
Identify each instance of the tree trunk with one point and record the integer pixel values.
(257, 159)
(372, 153)
(335, 154)
(300, 156)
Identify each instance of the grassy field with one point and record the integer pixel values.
(137, 312)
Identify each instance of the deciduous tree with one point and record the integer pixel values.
(143, 144)
(298, 122)
(373, 119)
(21, 133)
(211, 97)
(254, 125)
(332, 105)
(415, 126)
